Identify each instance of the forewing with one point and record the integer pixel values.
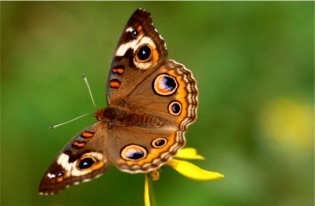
(139, 52)
(84, 158)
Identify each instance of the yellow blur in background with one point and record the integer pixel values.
(289, 123)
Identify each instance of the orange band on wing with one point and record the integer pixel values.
(118, 70)
(87, 134)
(78, 144)
(114, 83)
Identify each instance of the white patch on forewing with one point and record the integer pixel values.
(143, 66)
(71, 168)
(51, 176)
(63, 160)
(134, 44)
(129, 29)
(124, 47)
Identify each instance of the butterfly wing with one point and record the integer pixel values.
(84, 158)
(169, 93)
(139, 52)
(160, 110)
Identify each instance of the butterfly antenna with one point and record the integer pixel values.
(90, 92)
(63, 123)
(88, 86)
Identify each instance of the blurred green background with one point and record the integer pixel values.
(254, 62)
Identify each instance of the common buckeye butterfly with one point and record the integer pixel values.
(151, 101)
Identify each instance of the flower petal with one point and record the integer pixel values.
(188, 153)
(192, 171)
(146, 191)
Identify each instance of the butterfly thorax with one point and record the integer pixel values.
(123, 117)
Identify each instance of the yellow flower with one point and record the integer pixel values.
(185, 168)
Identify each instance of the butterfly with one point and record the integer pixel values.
(151, 101)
